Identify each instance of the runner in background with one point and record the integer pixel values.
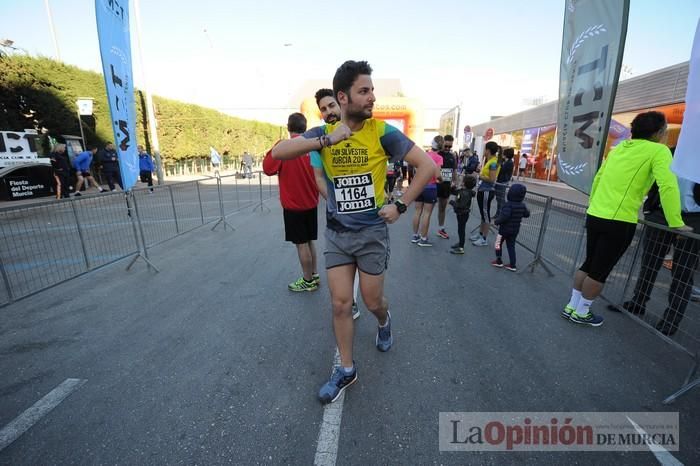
(299, 199)
(425, 202)
(447, 172)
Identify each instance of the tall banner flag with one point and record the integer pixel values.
(686, 163)
(115, 48)
(591, 57)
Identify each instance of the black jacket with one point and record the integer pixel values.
(506, 172)
(60, 162)
(513, 211)
(463, 200)
(653, 211)
(109, 160)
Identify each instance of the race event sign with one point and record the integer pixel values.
(115, 49)
(591, 57)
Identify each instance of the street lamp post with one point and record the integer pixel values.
(152, 125)
(53, 30)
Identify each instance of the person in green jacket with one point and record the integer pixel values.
(617, 194)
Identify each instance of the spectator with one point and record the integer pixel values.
(509, 225)
(215, 159)
(522, 166)
(503, 179)
(616, 196)
(109, 160)
(82, 163)
(462, 204)
(657, 243)
(487, 184)
(247, 165)
(145, 167)
(61, 170)
(472, 163)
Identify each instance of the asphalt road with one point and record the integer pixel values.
(213, 361)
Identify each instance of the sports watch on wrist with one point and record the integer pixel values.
(400, 206)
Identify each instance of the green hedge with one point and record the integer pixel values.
(41, 92)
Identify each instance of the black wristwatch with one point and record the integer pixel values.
(400, 206)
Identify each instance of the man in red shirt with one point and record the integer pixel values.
(299, 198)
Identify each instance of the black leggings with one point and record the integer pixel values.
(480, 202)
(461, 225)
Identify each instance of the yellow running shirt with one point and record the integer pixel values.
(355, 172)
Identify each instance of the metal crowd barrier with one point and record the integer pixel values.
(654, 285)
(662, 300)
(47, 243)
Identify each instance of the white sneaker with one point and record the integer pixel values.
(480, 242)
(475, 236)
(355, 311)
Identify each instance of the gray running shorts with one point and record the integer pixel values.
(368, 248)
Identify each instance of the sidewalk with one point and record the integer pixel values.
(554, 189)
(213, 361)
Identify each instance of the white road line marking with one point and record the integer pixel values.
(662, 455)
(41, 408)
(329, 434)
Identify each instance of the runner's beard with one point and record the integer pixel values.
(332, 118)
(359, 115)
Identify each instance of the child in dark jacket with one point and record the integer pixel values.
(462, 203)
(508, 223)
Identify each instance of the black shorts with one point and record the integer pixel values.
(300, 226)
(443, 190)
(606, 242)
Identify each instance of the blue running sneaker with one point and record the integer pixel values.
(384, 338)
(415, 239)
(424, 243)
(589, 319)
(331, 390)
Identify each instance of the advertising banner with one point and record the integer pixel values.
(527, 145)
(591, 57)
(115, 49)
(686, 163)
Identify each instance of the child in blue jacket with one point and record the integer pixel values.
(512, 214)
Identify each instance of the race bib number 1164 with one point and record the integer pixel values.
(354, 193)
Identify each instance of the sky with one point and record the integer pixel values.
(251, 59)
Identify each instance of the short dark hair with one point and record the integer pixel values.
(469, 182)
(449, 137)
(321, 93)
(347, 73)
(493, 147)
(296, 123)
(509, 153)
(646, 124)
